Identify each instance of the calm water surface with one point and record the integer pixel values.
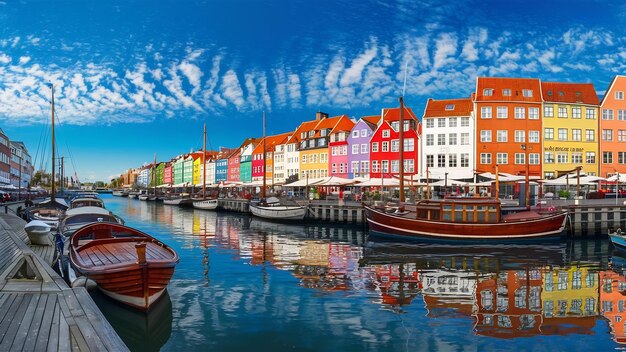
(246, 284)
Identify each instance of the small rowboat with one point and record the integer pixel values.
(618, 238)
(126, 264)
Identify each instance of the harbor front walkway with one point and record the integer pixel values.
(38, 310)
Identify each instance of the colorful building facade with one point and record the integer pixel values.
(613, 129)
(338, 162)
(359, 146)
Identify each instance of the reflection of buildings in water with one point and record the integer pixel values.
(449, 291)
(569, 300)
(612, 302)
(508, 304)
(398, 284)
(227, 232)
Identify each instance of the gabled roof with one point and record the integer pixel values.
(344, 124)
(448, 107)
(606, 94)
(393, 114)
(372, 121)
(327, 123)
(515, 85)
(304, 127)
(271, 142)
(582, 93)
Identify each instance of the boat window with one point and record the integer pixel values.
(493, 214)
(447, 212)
(458, 213)
(469, 211)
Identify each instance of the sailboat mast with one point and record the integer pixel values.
(264, 156)
(401, 148)
(204, 165)
(52, 190)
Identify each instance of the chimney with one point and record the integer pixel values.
(320, 115)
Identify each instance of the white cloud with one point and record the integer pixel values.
(4, 58)
(445, 47)
(231, 90)
(24, 60)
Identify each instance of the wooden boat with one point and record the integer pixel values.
(272, 209)
(126, 264)
(206, 204)
(39, 233)
(618, 239)
(147, 197)
(178, 200)
(469, 219)
(86, 202)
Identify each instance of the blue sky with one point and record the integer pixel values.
(135, 78)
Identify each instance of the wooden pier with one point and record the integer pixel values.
(38, 311)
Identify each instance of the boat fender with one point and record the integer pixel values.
(82, 281)
(552, 208)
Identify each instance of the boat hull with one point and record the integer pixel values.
(618, 240)
(39, 233)
(544, 227)
(279, 212)
(208, 204)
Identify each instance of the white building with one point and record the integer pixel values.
(447, 142)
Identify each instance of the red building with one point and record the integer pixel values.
(338, 161)
(167, 174)
(233, 166)
(385, 144)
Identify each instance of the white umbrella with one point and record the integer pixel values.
(378, 182)
(617, 177)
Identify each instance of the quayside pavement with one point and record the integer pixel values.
(38, 310)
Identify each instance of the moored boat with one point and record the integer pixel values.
(131, 266)
(271, 209)
(469, 219)
(205, 204)
(618, 239)
(74, 219)
(39, 233)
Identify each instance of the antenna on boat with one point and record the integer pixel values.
(52, 189)
(204, 165)
(401, 137)
(264, 157)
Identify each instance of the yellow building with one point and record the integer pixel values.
(570, 292)
(570, 128)
(197, 171)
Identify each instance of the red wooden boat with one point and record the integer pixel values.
(469, 219)
(127, 264)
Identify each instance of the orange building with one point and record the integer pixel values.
(613, 129)
(508, 125)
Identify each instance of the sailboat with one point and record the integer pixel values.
(50, 210)
(205, 203)
(271, 208)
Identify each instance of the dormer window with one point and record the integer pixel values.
(450, 107)
(550, 93)
(619, 95)
(488, 92)
(324, 132)
(527, 93)
(311, 133)
(506, 92)
(561, 94)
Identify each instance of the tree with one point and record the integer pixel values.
(40, 178)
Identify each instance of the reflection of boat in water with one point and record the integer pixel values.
(140, 331)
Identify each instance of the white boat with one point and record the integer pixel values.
(76, 218)
(618, 238)
(206, 204)
(146, 197)
(39, 233)
(118, 193)
(273, 210)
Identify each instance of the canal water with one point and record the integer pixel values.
(247, 284)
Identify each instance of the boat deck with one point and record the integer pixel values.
(38, 311)
(120, 252)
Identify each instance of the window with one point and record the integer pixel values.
(485, 135)
(520, 113)
(409, 144)
(561, 158)
(375, 145)
(465, 140)
(621, 115)
(452, 139)
(488, 92)
(607, 135)
(576, 112)
(607, 157)
(577, 134)
(449, 107)
(395, 166)
(452, 122)
(430, 139)
(355, 149)
(562, 134)
(562, 112)
(590, 136)
(533, 113)
(386, 133)
(621, 157)
(441, 122)
(533, 158)
(503, 112)
(485, 158)
(548, 111)
(355, 134)
(385, 147)
(502, 135)
(430, 160)
(430, 123)
(385, 166)
(502, 158)
(465, 121)
(520, 159)
(548, 175)
(409, 165)
(607, 114)
(577, 158)
(548, 157)
(355, 167)
(363, 133)
(365, 167)
(591, 114)
(441, 160)
(527, 93)
(451, 160)
(441, 139)
(590, 157)
(485, 112)
(395, 145)
(619, 95)
(621, 135)
(464, 159)
(533, 136)
(364, 148)
(520, 136)
(506, 92)
(548, 134)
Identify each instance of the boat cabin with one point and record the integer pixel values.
(461, 210)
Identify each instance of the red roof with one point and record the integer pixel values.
(582, 93)
(393, 114)
(514, 86)
(271, 142)
(448, 107)
(372, 120)
(304, 127)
